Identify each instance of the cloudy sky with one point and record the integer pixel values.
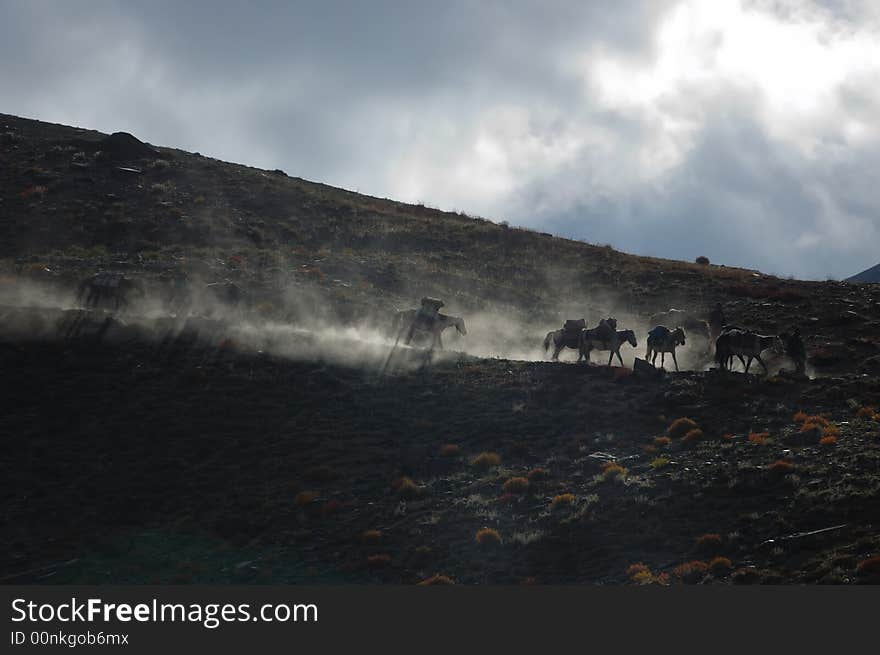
(743, 130)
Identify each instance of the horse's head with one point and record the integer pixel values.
(630, 337)
(678, 335)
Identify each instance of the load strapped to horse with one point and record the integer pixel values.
(108, 289)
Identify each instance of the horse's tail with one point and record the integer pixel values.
(547, 341)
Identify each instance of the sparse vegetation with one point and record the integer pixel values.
(486, 460)
(517, 485)
(486, 537)
(436, 579)
(613, 471)
(562, 500)
(759, 438)
(450, 450)
(680, 427)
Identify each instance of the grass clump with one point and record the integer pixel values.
(486, 460)
(692, 436)
(371, 536)
(720, 565)
(436, 579)
(659, 462)
(759, 438)
(613, 471)
(562, 500)
(487, 537)
(709, 541)
(680, 427)
(538, 473)
(406, 488)
(517, 485)
(691, 571)
(450, 450)
(781, 467)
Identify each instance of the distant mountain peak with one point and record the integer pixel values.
(868, 275)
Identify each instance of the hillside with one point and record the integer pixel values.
(868, 275)
(281, 439)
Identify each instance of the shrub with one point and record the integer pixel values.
(562, 500)
(659, 462)
(331, 507)
(831, 431)
(486, 460)
(487, 537)
(517, 485)
(680, 427)
(866, 412)
(709, 541)
(538, 473)
(870, 566)
(702, 260)
(727, 437)
(692, 436)
(720, 565)
(828, 441)
(691, 571)
(378, 561)
(450, 450)
(781, 467)
(406, 487)
(305, 498)
(651, 450)
(800, 417)
(662, 441)
(635, 569)
(613, 471)
(371, 536)
(436, 579)
(758, 438)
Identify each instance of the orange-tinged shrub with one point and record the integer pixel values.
(828, 441)
(720, 564)
(758, 438)
(378, 561)
(870, 566)
(371, 536)
(517, 485)
(562, 500)
(709, 541)
(538, 473)
(613, 471)
(781, 466)
(486, 460)
(692, 436)
(680, 427)
(487, 537)
(662, 441)
(450, 450)
(436, 579)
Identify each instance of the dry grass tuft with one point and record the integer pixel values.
(562, 500)
(407, 488)
(870, 566)
(436, 579)
(378, 561)
(450, 450)
(613, 471)
(691, 571)
(720, 565)
(658, 462)
(680, 427)
(759, 438)
(828, 441)
(486, 460)
(517, 485)
(487, 537)
(692, 436)
(866, 412)
(371, 536)
(709, 541)
(781, 467)
(538, 473)
(662, 441)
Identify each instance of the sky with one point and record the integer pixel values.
(745, 131)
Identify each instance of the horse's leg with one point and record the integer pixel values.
(556, 349)
(761, 362)
(748, 363)
(662, 359)
(618, 357)
(675, 360)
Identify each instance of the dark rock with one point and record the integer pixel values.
(122, 146)
(646, 369)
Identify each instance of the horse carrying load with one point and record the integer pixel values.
(425, 324)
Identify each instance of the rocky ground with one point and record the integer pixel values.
(274, 441)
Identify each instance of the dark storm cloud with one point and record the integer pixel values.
(496, 108)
